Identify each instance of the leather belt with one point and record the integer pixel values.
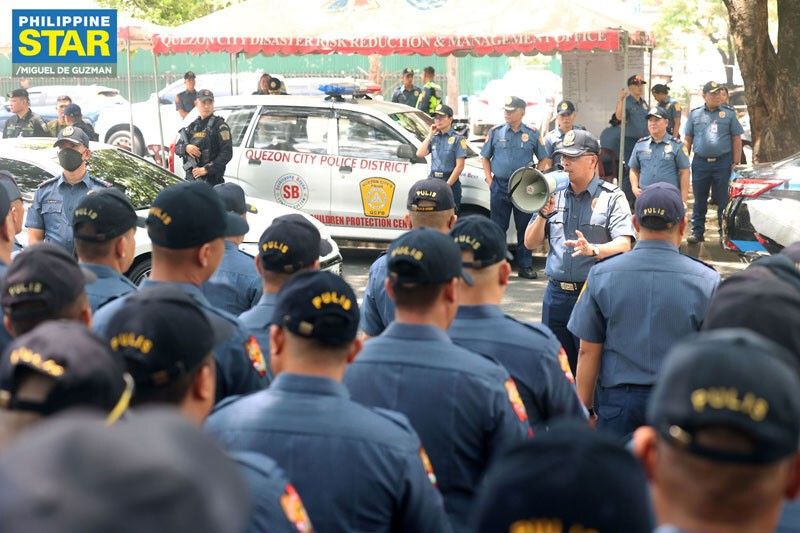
(568, 286)
(711, 159)
(442, 174)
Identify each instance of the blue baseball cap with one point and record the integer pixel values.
(425, 257)
(484, 238)
(659, 206)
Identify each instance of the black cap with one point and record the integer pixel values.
(205, 94)
(72, 110)
(162, 334)
(190, 214)
(45, 274)
(233, 199)
(659, 206)
(424, 256)
(430, 194)
(72, 135)
(408, 70)
(103, 215)
(792, 251)
(443, 110)
(18, 93)
(189, 75)
(318, 305)
(557, 477)
(155, 471)
(79, 365)
(513, 103)
(291, 243)
(5, 203)
(484, 237)
(657, 111)
(660, 88)
(636, 80)
(578, 142)
(712, 87)
(760, 301)
(565, 107)
(275, 84)
(9, 183)
(733, 379)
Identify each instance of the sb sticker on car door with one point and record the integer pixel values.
(376, 196)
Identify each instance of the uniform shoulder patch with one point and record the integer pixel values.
(256, 356)
(427, 466)
(645, 138)
(563, 362)
(46, 182)
(515, 399)
(294, 509)
(699, 261)
(464, 144)
(610, 187)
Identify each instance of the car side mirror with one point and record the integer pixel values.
(405, 151)
(164, 100)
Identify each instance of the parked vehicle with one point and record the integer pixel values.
(763, 213)
(33, 160)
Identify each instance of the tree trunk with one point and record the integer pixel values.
(771, 78)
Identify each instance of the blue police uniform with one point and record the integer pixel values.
(635, 122)
(602, 214)
(445, 148)
(235, 287)
(712, 143)
(673, 109)
(609, 154)
(531, 354)
(109, 285)
(258, 319)
(658, 161)
(5, 336)
(240, 362)
(551, 139)
(274, 497)
(54, 204)
(377, 309)
(509, 150)
(459, 402)
(357, 469)
(401, 95)
(638, 304)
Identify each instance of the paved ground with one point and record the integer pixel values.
(524, 297)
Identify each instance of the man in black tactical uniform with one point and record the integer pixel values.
(205, 144)
(23, 122)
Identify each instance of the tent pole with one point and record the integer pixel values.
(230, 70)
(158, 109)
(130, 93)
(650, 76)
(622, 122)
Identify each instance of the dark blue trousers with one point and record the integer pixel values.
(714, 177)
(621, 409)
(556, 308)
(500, 211)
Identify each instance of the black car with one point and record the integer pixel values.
(763, 213)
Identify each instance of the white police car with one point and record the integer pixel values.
(347, 161)
(34, 160)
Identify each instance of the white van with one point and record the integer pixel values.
(349, 162)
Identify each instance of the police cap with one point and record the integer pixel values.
(657, 111)
(9, 183)
(190, 214)
(733, 379)
(73, 110)
(712, 87)
(318, 305)
(424, 256)
(513, 103)
(162, 334)
(659, 206)
(71, 135)
(103, 215)
(484, 238)
(431, 194)
(233, 199)
(565, 107)
(636, 80)
(408, 70)
(45, 275)
(443, 110)
(291, 243)
(578, 142)
(205, 94)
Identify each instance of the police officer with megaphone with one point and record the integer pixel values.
(587, 221)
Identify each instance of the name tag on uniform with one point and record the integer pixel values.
(668, 149)
(713, 128)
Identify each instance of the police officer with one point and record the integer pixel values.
(23, 122)
(358, 469)
(633, 308)
(74, 117)
(407, 93)
(431, 95)
(635, 112)
(430, 204)
(6, 246)
(671, 106)
(448, 150)
(235, 287)
(55, 125)
(410, 365)
(659, 157)
(586, 222)
(44, 283)
(291, 244)
(205, 144)
(186, 225)
(54, 202)
(184, 100)
(565, 121)
(715, 135)
(9, 183)
(105, 239)
(530, 352)
(509, 147)
(609, 149)
(166, 342)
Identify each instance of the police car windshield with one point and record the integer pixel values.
(419, 124)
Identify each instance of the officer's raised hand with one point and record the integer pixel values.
(193, 150)
(582, 246)
(199, 172)
(549, 208)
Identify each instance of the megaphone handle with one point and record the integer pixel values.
(514, 188)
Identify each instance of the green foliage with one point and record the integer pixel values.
(167, 12)
(681, 17)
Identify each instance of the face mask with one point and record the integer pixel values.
(69, 159)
